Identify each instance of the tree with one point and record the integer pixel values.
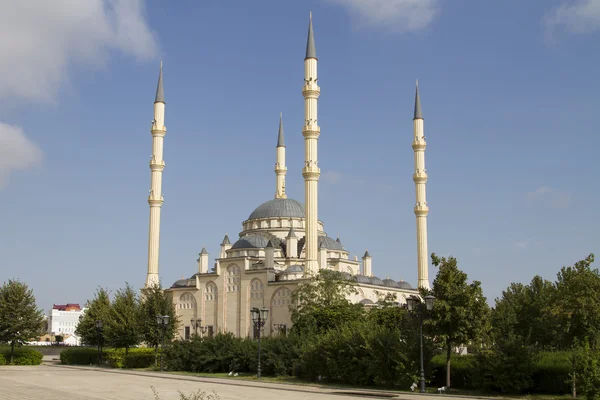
(577, 303)
(460, 313)
(20, 319)
(97, 310)
(322, 304)
(123, 324)
(156, 302)
(524, 311)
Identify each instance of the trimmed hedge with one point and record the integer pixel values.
(22, 356)
(549, 374)
(79, 356)
(136, 357)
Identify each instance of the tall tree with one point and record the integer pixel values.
(524, 311)
(123, 324)
(20, 319)
(98, 309)
(460, 313)
(156, 302)
(321, 304)
(577, 305)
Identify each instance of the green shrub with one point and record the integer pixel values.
(22, 356)
(79, 356)
(464, 371)
(135, 358)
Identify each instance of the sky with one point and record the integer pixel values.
(509, 92)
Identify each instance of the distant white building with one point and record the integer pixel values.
(63, 318)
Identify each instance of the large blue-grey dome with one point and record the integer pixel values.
(285, 208)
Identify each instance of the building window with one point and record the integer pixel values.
(256, 289)
(210, 291)
(210, 331)
(282, 298)
(233, 278)
(187, 333)
(187, 301)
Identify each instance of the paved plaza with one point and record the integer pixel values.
(55, 382)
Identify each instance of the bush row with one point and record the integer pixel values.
(547, 373)
(22, 356)
(116, 358)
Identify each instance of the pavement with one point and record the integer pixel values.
(52, 381)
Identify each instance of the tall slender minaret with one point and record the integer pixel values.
(421, 208)
(311, 171)
(280, 168)
(157, 165)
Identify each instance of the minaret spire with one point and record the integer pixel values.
(157, 165)
(311, 171)
(311, 52)
(280, 168)
(421, 209)
(160, 93)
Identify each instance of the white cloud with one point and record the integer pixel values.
(40, 39)
(546, 195)
(16, 151)
(578, 17)
(395, 15)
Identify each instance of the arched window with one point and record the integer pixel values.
(187, 301)
(210, 291)
(282, 297)
(256, 289)
(233, 278)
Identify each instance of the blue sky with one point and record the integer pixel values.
(509, 93)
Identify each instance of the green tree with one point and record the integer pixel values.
(524, 311)
(98, 309)
(577, 303)
(156, 302)
(321, 304)
(20, 319)
(461, 313)
(123, 325)
(586, 362)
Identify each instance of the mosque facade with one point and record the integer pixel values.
(282, 244)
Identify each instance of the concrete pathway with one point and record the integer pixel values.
(56, 382)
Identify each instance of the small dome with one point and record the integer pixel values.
(404, 285)
(391, 283)
(366, 301)
(294, 269)
(362, 279)
(376, 281)
(184, 283)
(330, 244)
(251, 242)
(287, 208)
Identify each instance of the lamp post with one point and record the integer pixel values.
(415, 305)
(259, 318)
(99, 333)
(162, 322)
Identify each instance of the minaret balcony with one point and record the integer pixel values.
(158, 130)
(311, 91)
(311, 131)
(419, 145)
(420, 177)
(421, 211)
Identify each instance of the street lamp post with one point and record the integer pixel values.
(415, 305)
(162, 321)
(259, 318)
(99, 333)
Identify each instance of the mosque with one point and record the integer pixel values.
(282, 243)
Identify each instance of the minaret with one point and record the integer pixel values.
(366, 259)
(421, 208)
(280, 168)
(311, 171)
(157, 165)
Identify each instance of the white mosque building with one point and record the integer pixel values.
(282, 243)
